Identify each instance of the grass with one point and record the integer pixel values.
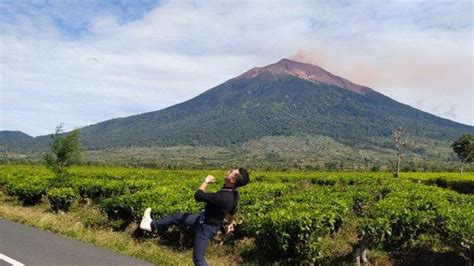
(87, 224)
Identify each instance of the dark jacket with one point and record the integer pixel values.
(218, 204)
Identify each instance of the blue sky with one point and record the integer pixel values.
(82, 62)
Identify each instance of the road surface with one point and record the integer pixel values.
(25, 245)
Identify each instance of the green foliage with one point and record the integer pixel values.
(291, 217)
(29, 192)
(465, 186)
(60, 180)
(296, 153)
(413, 211)
(294, 228)
(61, 198)
(464, 149)
(97, 189)
(64, 150)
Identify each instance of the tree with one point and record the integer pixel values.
(65, 150)
(400, 136)
(464, 149)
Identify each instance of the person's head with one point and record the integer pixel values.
(237, 177)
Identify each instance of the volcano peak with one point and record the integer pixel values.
(308, 72)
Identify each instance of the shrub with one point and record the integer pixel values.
(61, 198)
(60, 180)
(163, 201)
(97, 189)
(65, 150)
(403, 217)
(29, 192)
(290, 229)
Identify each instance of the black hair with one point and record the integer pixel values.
(243, 177)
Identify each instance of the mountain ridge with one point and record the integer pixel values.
(13, 135)
(285, 98)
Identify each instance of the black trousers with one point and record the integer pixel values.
(203, 232)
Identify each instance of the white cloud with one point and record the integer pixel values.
(97, 64)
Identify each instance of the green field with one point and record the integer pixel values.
(288, 217)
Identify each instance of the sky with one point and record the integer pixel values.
(83, 62)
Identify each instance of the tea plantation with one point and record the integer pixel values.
(291, 217)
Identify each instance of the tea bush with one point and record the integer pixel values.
(29, 192)
(61, 198)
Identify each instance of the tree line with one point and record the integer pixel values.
(65, 150)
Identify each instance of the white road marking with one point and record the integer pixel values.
(10, 260)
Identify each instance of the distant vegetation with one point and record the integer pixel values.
(64, 151)
(304, 152)
(402, 143)
(464, 149)
(8, 137)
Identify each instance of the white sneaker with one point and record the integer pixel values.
(146, 220)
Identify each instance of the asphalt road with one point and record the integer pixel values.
(31, 246)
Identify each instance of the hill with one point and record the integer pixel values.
(281, 99)
(7, 136)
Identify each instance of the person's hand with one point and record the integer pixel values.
(210, 179)
(230, 229)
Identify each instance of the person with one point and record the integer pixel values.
(209, 221)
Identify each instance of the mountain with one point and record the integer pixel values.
(306, 72)
(284, 98)
(12, 136)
